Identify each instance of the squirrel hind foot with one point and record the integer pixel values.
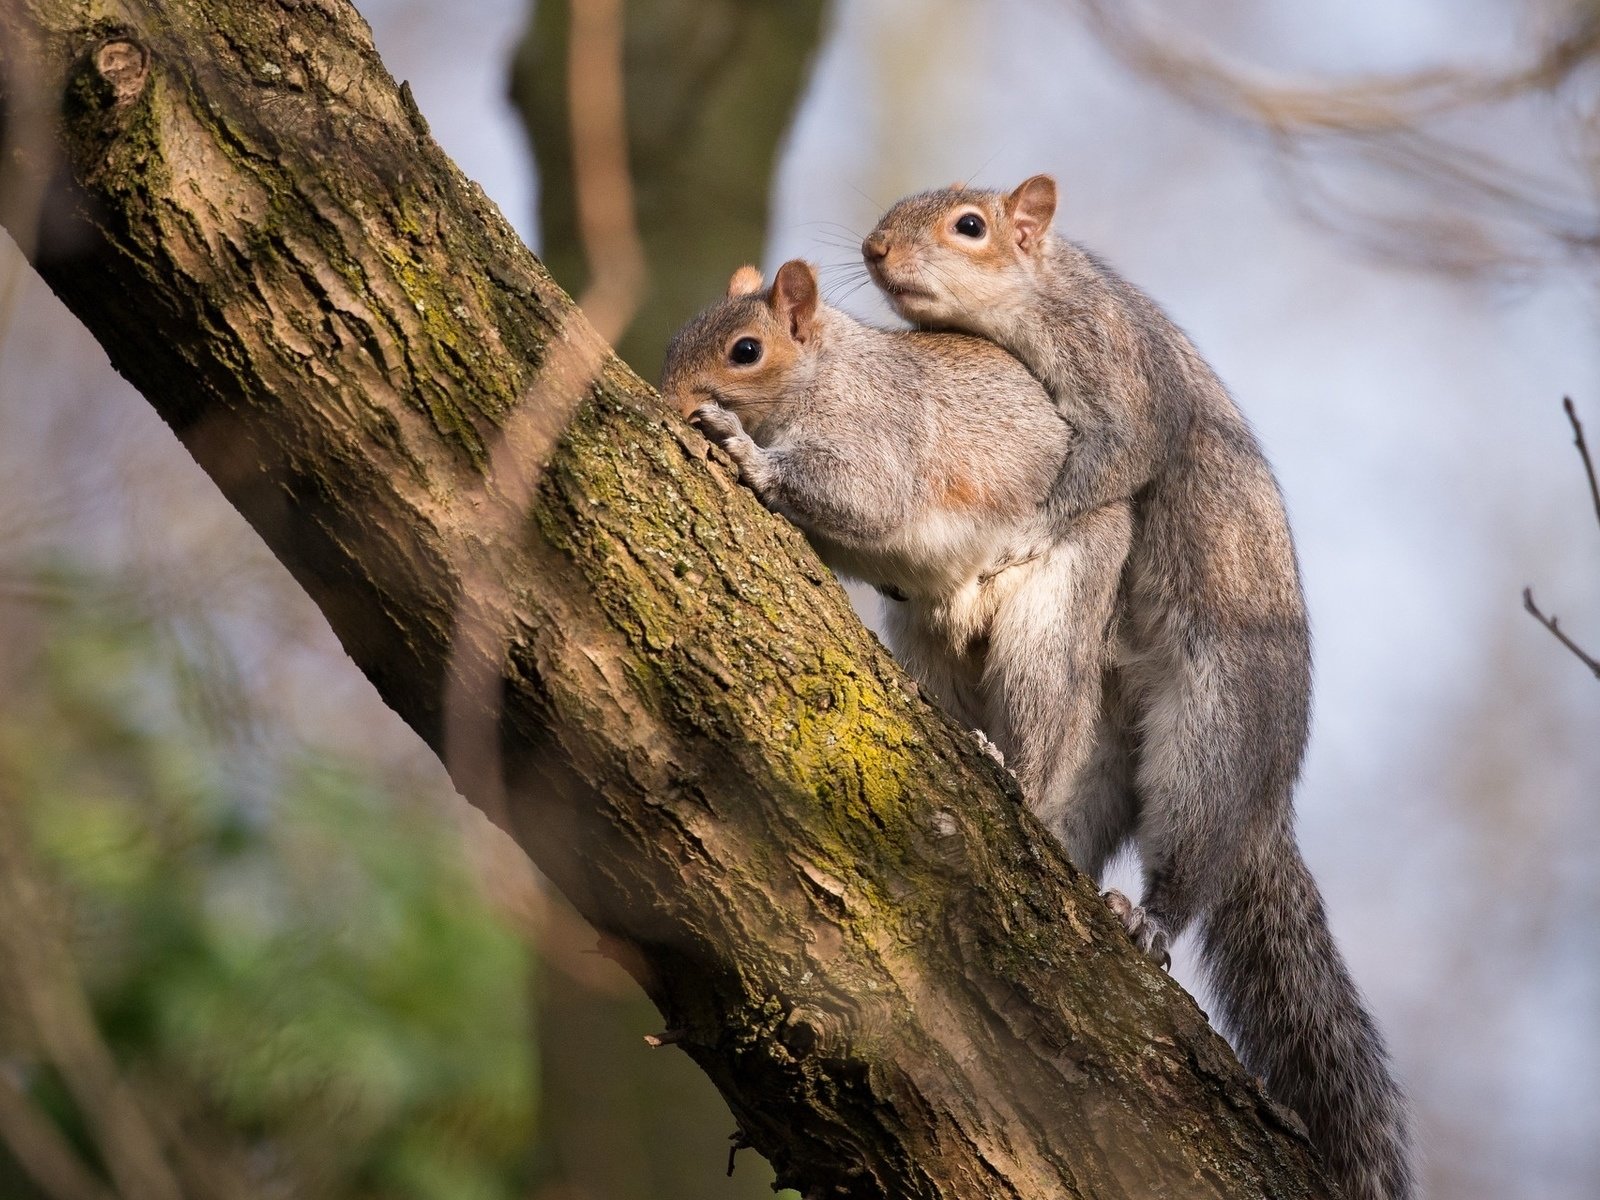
(1147, 933)
(982, 738)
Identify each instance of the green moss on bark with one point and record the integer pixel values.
(887, 967)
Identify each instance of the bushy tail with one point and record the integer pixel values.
(1297, 1020)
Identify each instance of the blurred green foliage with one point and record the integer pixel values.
(291, 966)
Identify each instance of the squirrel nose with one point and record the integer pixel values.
(876, 248)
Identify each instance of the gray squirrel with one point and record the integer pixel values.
(1214, 666)
(916, 462)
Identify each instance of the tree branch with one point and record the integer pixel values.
(1553, 623)
(1583, 452)
(708, 90)
(885, 965)
(1482, 211)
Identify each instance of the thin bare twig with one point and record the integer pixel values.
(608, 230)
(1486, 211)
(1553, 624)
(1583, 452)
(1379, 103)
(738, 1140)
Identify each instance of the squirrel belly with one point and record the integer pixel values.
(919, 462)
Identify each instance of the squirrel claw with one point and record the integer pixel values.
(989, 747)
(1144, 929)
(718, 424)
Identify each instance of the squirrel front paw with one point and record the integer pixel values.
(1145, 930)
(720, 425)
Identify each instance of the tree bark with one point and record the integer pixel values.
(707, 90)
(834, 899)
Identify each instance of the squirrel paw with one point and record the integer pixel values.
(720, 425)
(989, 747)
(1144, 929)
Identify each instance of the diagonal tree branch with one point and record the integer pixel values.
(1553, 624)
(832, 896)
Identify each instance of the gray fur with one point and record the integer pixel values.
(1215, 667)
(915, 462)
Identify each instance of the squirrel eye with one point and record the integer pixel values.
(745, 351)
(970, 225)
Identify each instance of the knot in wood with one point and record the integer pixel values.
(809, 1030)
(123, 65)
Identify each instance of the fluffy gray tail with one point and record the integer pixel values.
(1297, 1020)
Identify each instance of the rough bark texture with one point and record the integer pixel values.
(710, 89)
(884, 964)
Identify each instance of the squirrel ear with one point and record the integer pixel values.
(746, 281)
(794, 297)
(1030, 208)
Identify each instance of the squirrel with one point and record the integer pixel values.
(916, 462)
(1215, 665)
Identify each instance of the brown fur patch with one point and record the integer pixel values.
(963, 493)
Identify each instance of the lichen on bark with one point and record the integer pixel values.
(886, 966)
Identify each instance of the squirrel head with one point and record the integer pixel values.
(753, 351)
(958, 257)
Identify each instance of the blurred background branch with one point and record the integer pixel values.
(602, 184)
(709, 90)
(1451, 203)
(50, 999)
(40, 1148)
